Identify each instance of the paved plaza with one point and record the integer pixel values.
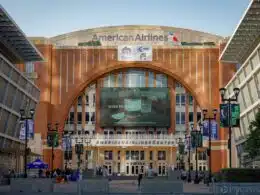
(103, 186)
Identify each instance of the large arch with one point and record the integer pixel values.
(60, 111)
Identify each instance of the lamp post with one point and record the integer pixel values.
(205, 111)
(79, 150)
(229, 100)
(25, 118)
(188, 137)
(197, 134)
(67, 140)
(51, 135)
(181, 148)
(88, 141)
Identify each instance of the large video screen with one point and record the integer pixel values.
(139, 107)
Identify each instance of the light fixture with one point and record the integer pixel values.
(49, 126)
(204, 111)
(236, 91)
(32, 112)
(192, 126)
(22, 112)
(222, 92)
(215, 111)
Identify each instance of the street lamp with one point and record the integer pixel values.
(25, 118)
(88, 141)
(181, 151)
(229, 100)
(67, 140)
(79, 150)
(205, 111)
(51, 138)
(197, 134)
(188, 137)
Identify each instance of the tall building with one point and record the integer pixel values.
(180, 68)
(243, 49)
(16, 91)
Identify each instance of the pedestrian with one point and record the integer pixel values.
(140, 177)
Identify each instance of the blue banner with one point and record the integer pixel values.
(214, 130)
(30, 129)
(67, 143)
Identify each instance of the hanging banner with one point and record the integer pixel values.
(132, 53)
(234, 113)
(30, 129)
(66, 143)
(213, 127)
(53, 138)
(196, 139)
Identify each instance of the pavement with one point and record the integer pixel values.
(128, 187)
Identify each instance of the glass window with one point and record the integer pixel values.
(161, 155)
(94, 99)
(29, 67)
(93, 117)
(151, 155)
(71, 118)
(183, 99)
(10, 95)
(178, 99)
(135, 78)
(6, 69)
(127, 154)
(86, 117)
(109, 80)
(161, 80)
(246, 95)
(120, 79)
(12, 121)
(191, 100)
(3, 84)
(15, 76)
(190, 116)
(87, 100)
(150, 79)
(253, 90)
(182, 117)
(118, 155)
(178, 120)
(108, 155)
(79, 117)
(142, 155)
(198, 116)
(4, 117)
(80, 100)
(248, 68)
(255, 60)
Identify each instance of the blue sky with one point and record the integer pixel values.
(53, 17)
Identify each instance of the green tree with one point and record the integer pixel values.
(252, 144)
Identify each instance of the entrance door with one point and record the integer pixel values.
(162, 169)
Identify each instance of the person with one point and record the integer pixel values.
(140, 177)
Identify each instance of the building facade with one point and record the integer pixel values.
(243, 49)
(78, 66)
(16, 91)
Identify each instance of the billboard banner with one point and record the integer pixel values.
(30, 129)
(135, 107)
(196, 139)
(213, 127)
(235, 115)
(67, 143)
(53, 138)
(132, 53)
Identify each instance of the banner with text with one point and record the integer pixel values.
(213, 127)
(234, 113)
(135, 107)
(135, 53)
(30, 129)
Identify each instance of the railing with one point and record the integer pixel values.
(126, 140)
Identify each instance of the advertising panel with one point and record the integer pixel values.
(30, 129)
(135, 53)
(213, 127)
(196, 139)
(235, 115)
(139, 107)
(53, 138)
(67, 143)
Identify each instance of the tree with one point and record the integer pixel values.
(252, 144)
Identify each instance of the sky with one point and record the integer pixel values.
(47, 18)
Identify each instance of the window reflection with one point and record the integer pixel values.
(161, 80)
(150, 79)
(135, 78)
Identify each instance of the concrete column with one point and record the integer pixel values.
(83, 110)
(195, 113)
(123, 161)
(187, 96)
(98, 90)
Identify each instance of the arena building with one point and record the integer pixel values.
(84, 71)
